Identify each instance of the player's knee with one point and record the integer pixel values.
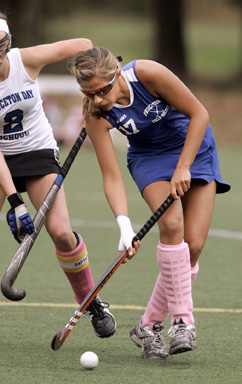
(171, 226)
(62, 237)
(195, 247)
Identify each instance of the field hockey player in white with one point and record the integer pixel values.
(31, 153)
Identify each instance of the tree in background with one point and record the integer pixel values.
(169, 44)
(29, 21)
(25, 19)
(238, 4)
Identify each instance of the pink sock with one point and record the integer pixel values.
(157, 308)
(175, 269)
(194, 272)
(76, 266)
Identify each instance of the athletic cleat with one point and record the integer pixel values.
(183, 337)
(102, 320)
(150, 340)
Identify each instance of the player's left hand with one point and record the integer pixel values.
(19, 218)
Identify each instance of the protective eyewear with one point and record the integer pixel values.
(6, 47)
(101, 91)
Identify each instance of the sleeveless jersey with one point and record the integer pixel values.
(156, 133)
(23, 124)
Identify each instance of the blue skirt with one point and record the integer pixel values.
(152, 163)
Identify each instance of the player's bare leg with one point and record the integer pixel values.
(71, 253)
(198, 205)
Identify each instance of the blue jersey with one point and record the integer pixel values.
(156, 133)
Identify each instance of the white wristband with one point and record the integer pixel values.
(127, 233)
(124, 223)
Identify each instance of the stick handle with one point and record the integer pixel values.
(153, 219)
(73, 152)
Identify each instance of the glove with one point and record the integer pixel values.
(18, 217)
(127, 234)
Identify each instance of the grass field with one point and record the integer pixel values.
(27, 327)
(212, 43)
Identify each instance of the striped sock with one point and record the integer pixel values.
(76, 266)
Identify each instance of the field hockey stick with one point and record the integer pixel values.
(61, 336)
(28, 241)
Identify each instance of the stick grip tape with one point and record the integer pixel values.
(153, 219)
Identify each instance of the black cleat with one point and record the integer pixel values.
(103, 321)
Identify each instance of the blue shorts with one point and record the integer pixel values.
(159, 163)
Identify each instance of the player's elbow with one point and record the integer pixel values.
(205, 115)
(86, 44)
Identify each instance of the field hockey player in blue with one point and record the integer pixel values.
(171, 149)
(31, 153)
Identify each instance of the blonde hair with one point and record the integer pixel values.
(95, 62)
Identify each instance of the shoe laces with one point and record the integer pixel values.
(96, 308)
(158, 339)
(177, 330)
(155, 337)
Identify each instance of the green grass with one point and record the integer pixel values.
(27, 328)
(213, 47)
(126, 35)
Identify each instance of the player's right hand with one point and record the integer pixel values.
(126, 236)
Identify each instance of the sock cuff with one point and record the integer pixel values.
(171, 247)
(173, 252)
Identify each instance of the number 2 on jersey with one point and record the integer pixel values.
(13, 121)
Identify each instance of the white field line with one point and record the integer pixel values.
(226, 234)
(124, 307)
(112, 225)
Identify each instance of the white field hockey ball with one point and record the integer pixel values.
(89, 360)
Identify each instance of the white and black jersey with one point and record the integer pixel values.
(23, 124)
(26, 137)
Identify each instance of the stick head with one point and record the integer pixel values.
(8, 291)
(57, 341)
